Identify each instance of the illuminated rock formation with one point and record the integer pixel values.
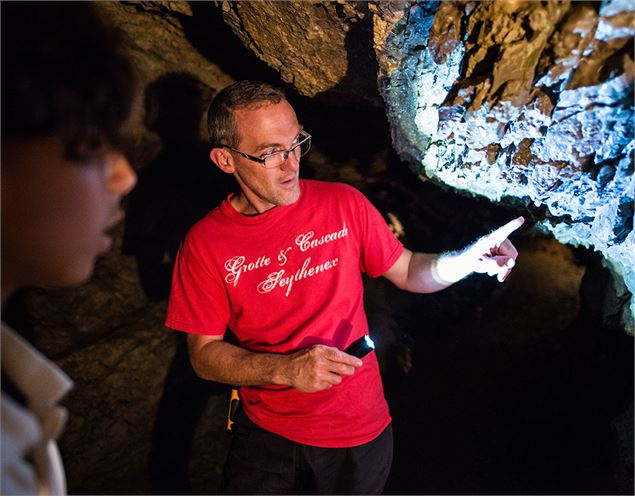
(522, 101)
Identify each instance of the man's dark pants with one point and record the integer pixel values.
(260, 462)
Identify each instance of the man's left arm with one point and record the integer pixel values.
(492, 254)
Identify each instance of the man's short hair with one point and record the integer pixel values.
(243, 94)
(64, 73)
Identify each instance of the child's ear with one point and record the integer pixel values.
(223, 159)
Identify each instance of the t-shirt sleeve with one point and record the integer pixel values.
(380, 248)
(198, 301)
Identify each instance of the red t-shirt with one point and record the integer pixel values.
(285, 280)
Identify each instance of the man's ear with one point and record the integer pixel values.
(223, 159)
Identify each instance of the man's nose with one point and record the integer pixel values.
(120, 177)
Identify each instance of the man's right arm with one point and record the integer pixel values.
(308, 370)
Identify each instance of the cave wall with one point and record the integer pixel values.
(524, 101)
(136, 409)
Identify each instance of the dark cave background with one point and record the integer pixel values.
(513, 388)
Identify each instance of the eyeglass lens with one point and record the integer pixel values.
(299, 150)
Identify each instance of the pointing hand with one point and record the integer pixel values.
(494, 254)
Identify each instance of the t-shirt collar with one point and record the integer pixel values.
(228, 210)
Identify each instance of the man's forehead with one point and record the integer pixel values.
(263, 108)
(265, 124)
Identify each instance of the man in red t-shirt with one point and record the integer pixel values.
(280, 265)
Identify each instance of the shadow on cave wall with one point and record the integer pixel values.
(174, 191)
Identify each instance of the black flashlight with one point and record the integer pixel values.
(361, 347)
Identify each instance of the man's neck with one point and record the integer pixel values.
(244, 206)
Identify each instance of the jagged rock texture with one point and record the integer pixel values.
(318, 47)
(528, 101)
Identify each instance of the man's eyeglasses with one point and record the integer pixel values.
(276, 159)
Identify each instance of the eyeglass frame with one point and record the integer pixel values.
(261, 161)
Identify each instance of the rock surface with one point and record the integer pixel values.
(318, 47)
(524, 101)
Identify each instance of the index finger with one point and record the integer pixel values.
(503, 232)
(336, 355)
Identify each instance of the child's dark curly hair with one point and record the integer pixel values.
(64, 73)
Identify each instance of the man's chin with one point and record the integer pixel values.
(290, 198)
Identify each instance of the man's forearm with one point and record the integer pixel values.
(450, 267)
(308, 370)
(428, 273)
(224, 362)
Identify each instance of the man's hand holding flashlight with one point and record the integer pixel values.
(317, 368)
